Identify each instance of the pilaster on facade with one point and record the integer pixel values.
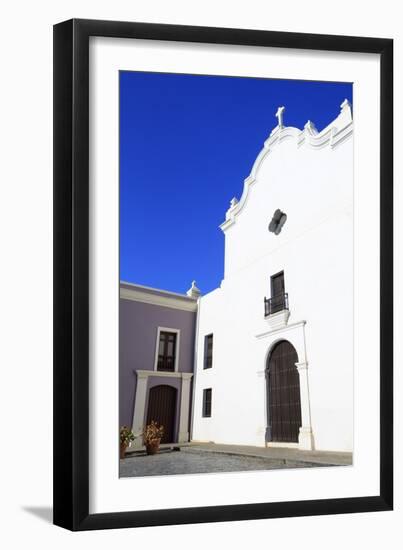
(139, 408)
(184, 408)
(305, 439)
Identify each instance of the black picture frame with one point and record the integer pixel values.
(71, 274)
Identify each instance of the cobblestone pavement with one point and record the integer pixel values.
(195, 461)
(327, 458)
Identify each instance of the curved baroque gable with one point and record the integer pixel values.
(338, 131)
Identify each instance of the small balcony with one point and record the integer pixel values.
(275, 304)
(276, 310)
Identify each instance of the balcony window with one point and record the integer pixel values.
(279, 298)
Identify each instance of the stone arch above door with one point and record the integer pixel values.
(295, 334)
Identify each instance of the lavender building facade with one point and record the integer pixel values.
(157, 342)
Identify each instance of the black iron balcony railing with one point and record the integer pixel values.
(275, 304)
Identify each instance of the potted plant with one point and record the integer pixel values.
(126, 438)
(152, 437)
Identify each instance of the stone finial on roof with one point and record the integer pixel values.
(345, 110)
(346, 104)
(310, 127)
(234, 201)
(193, 291)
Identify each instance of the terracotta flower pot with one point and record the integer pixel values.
(152, 447)
(123, 447)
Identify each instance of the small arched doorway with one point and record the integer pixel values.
(161, 409)
(283, 394)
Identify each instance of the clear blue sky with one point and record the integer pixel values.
(187, 142)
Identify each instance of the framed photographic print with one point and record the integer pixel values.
(223, 321)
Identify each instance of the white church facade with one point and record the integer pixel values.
(272, 347)
(279, 330)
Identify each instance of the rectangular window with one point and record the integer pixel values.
(207, 402)
(208, 351)
(167, 351)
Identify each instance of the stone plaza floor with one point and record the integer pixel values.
(208, 458)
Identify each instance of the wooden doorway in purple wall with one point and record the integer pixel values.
(161, 409)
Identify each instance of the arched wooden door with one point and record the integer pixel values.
(284, 401)
(161, 409)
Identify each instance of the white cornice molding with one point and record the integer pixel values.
(170, 301)
(336, 133)
(153, 290)
(146, 373)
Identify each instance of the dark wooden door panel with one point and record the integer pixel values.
(277, 292)
(277, 284)
(161, 409)
(284, 394)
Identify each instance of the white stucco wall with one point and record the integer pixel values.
(311, 180)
